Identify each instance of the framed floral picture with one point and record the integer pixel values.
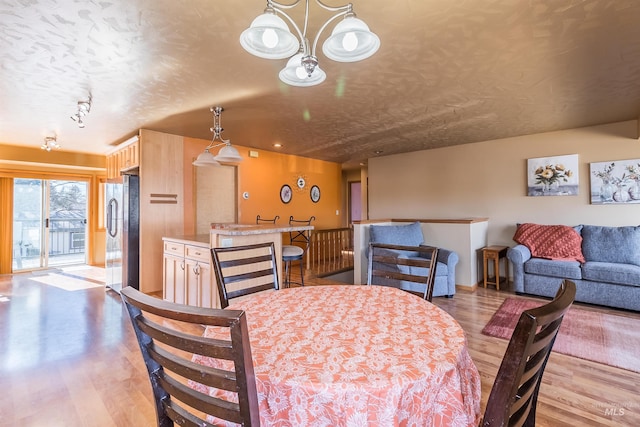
(553, 176)
(615, 182)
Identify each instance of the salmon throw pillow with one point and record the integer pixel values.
(557, 242)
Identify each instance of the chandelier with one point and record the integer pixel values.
(50, 143)
(227, 154)
(269, 37)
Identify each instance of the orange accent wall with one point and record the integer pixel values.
(28, 162)
(262, 178)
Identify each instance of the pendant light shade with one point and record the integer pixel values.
(351, 41)
(206, 159)
(269, 37)
(228, 154)
(295, 74)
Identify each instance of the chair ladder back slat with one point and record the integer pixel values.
(243, 277)
(186, 342)
(248, 291)
(217, 407)
(213, 377)
(181, 417)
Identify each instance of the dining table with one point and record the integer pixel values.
(354, 355)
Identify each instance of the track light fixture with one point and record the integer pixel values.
(227, 154)
(269, 37)
(50, 143)
(83, 109)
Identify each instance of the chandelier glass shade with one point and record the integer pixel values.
(295, 74)
(269, 37)
(227, 154)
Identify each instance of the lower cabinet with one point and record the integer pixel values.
(187, 274)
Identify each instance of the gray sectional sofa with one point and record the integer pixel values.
(411, 235)
(609, 275)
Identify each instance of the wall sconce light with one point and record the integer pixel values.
(50, 143)
(83, 109)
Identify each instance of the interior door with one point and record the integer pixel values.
(216, 196)
(355, 201)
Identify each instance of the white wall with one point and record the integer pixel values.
(489, 179)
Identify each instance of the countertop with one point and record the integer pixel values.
(249, 229)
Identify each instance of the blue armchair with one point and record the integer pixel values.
(411, 235)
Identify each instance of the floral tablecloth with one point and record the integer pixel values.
(358, 356)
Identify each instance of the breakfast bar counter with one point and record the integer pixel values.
(188, 276)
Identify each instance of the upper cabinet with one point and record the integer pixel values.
(125, 158)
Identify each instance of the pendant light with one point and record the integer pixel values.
(227, 154)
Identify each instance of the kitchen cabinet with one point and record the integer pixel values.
(125, 158)
(187, 272)
(161, 201)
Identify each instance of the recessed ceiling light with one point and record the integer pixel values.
(277, 145)
(378, 152)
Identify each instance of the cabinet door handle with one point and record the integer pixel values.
(196, 269)
(182, 265)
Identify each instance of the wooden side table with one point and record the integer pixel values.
(495, 254)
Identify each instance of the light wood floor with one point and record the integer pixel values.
(70, 358)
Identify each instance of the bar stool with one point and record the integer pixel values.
(266, 221)
(293, 252)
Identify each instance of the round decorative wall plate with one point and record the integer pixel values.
(285, 193)
(301, 182)
(315, 194)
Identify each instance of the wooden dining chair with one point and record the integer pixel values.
(296, 249)
(410, 268)
(266, 221)
(169, 334)
(244, 270)
(514, 395)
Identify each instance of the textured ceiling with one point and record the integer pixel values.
(447, 72)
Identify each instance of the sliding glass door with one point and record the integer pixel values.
(49, 223)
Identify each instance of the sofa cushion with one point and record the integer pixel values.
(611, 244)
(557, 242)
(621, 274)
(546, 267)
(408, 235)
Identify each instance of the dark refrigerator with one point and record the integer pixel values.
(122, 258)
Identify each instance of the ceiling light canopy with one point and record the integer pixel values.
(227, 154)
(269, 37)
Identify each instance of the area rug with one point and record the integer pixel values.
(600, 337)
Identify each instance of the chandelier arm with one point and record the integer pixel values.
(348, 7)
(212, 145)
(275, 4)
(330, 20)
(301, 36)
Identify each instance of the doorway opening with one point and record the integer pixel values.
(49, 223)
(355, 201)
